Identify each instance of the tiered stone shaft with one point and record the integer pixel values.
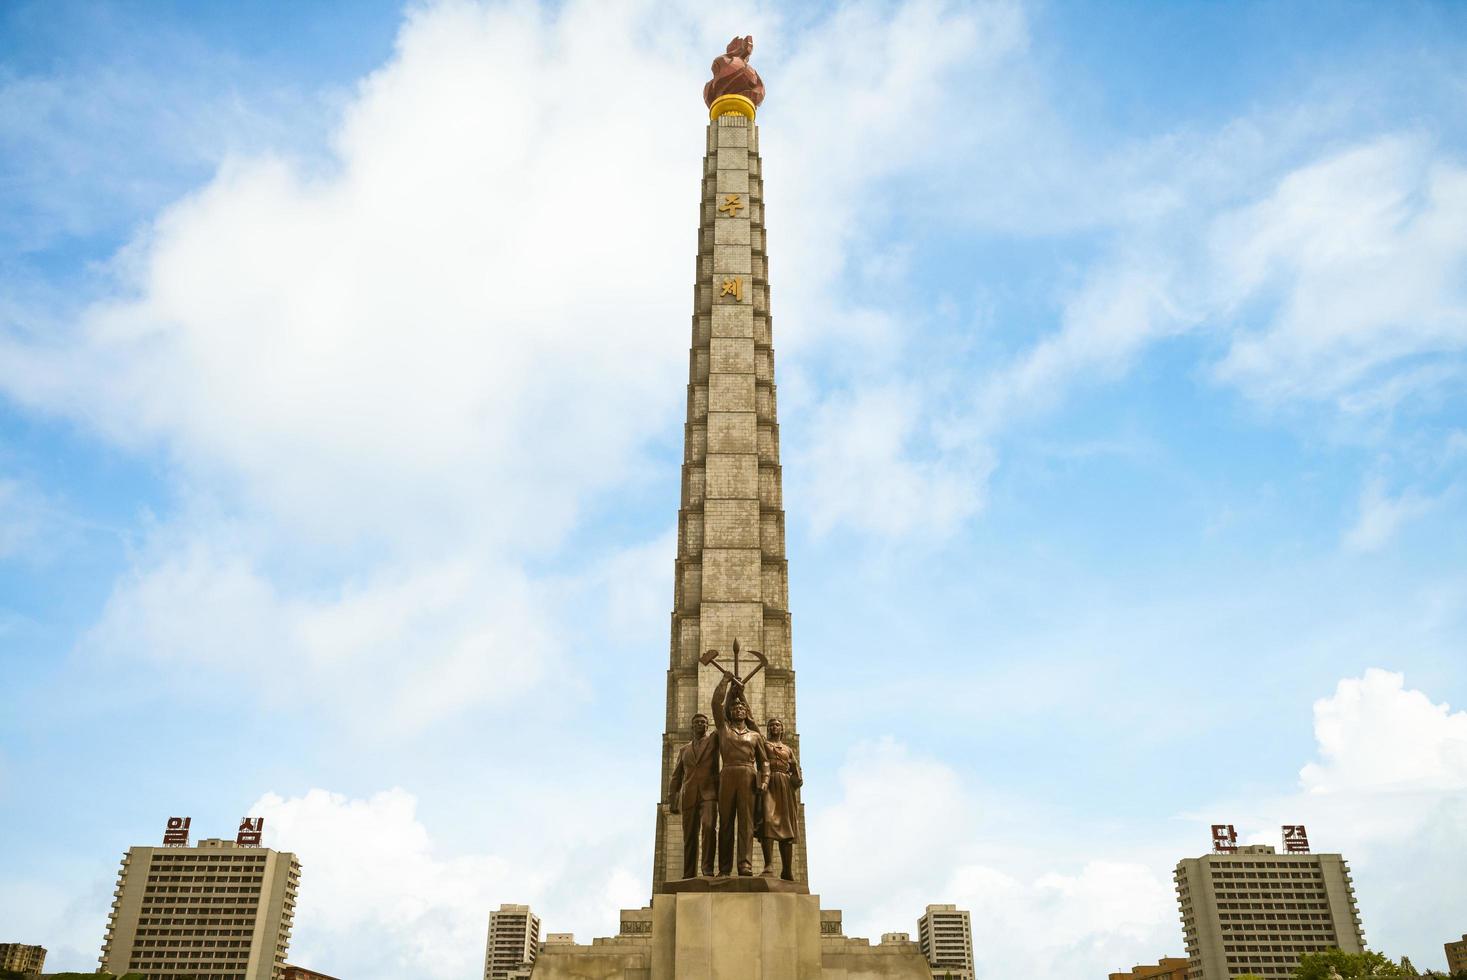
(731, 573)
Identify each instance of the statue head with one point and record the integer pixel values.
(740, 710)
(700, 725)
(775, 728)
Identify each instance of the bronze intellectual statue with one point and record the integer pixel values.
(693, 792)
(744, 767)
(780, 810)
(733, 75)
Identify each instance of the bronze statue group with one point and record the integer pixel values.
(734, 784)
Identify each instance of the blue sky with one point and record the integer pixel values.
(1120, 351)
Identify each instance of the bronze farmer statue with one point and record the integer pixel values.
(693, 792)
(780, 813)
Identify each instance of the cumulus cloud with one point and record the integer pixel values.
(430, 338)
(453, 326)
(370, 867)
(389, 378)
(1035, 912)
(423, 642)
(1387, 790)
(382, 895)
(1376, 736)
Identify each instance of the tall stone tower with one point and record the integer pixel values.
(731, 576)
(731, 585)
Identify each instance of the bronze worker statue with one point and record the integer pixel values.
(743, 764)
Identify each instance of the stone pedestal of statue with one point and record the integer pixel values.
(713, 935)
(732, 935)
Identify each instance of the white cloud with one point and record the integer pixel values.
(433, 338)
(422, 641)
(389, 380)
(922, 837)
(1117, 313)
(382, 896)
(1364, 253)
(1388, 791)
(866, 467)
(1375, 736)
(369, 867)
(1382, 515)
(472, 319)
(1342, 285)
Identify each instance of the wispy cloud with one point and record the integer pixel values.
(1381, 516)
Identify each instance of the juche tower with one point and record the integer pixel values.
(731, 574)
(731, 584)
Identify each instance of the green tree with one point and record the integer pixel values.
(1317, 966)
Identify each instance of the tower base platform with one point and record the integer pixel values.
(731, 936)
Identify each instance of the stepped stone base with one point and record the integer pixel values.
(736, 885)
(732, 936)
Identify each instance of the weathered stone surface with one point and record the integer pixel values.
(732, 260)
(738, 885)
(713, 935)
(731, 393)
(731, 524)
(732, 432)
(732, 575)
(732, 182)
(848, 959)
(730, 320)
(732, 158)
(731, 355)
(731, 231)
(732, 475)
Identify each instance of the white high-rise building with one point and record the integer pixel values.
(945, 935)
(1257, 911)
(215, 911)
(514, 941)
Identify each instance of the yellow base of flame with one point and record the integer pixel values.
(726, 104)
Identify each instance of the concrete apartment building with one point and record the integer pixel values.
(22, 958)
(1167, 968)
(1257, 911)
(214, 911)
(1456, 955)
(945, 936)
(514, 942)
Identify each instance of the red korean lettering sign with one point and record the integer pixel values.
(176, 834)
(1296, 839)
(1224, 839)
(250, 831)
